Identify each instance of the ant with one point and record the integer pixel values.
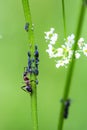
(27, 87)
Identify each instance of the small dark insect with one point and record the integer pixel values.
(36, 52)
(35, 71)
(29, 68)
(66, 108)
(26, 27)
(36, 81)
(29, 54)
(27, 88)
(27, 81)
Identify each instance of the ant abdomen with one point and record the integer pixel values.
(29, 89)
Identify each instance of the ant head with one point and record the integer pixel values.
(24, 74)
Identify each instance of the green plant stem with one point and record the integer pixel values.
(30, 33)
(71, 68)
(64, 18)
(34, 108)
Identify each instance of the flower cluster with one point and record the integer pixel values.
(63, 54)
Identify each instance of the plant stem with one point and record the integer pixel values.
(71, 68)
(30, 33)
(64, 18)
(34, 108)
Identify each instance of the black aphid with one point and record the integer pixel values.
(36, 52)
(26, 27)
(66, 108)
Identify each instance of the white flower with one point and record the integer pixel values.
(62, 62)
(81, 43)
(70, 41)
(53, 39)
(59, 63)
(77, 55)
(85, 49)
(67, 51)
(52, 30)
(59, 52)
(71, 38)
(81, 40)
(66, 61)
(50, 51)
(70, 53)
(49, 34)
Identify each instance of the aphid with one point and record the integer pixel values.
(29, 68)
(26, 27)
(36, 81)
(36, 72)
(36, 52)
(36, 47)
(66, 108)
(29, 63)
(29, 54)
(37, 60)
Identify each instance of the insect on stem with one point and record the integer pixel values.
(31, 80)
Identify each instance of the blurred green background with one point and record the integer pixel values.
(15, 105)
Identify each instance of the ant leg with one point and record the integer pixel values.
(32, 81)
(23, 88)
(27, 89)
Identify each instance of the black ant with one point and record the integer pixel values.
(27, 81)
(27, 87)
